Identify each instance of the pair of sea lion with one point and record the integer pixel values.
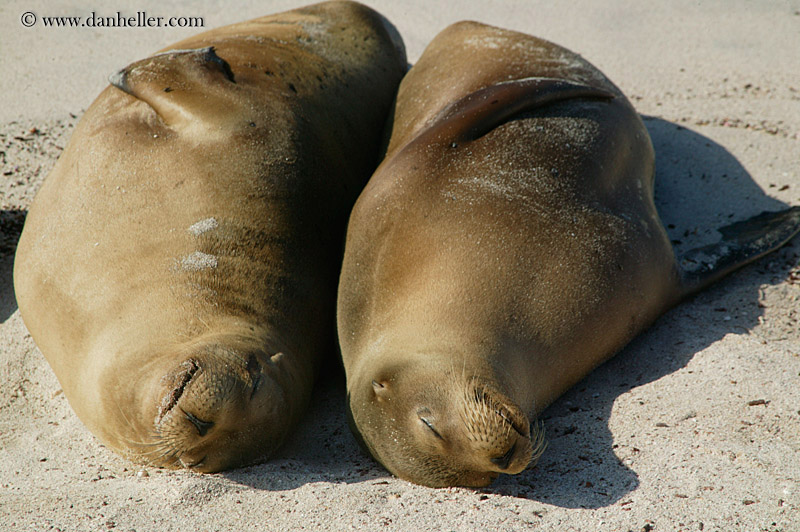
(179, 266)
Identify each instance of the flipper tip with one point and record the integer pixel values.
(119, 79)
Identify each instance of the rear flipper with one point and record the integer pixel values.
(742, 243)
(182, 86)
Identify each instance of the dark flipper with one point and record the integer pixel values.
(480, 112)
(742, 243)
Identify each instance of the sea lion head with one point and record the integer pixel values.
(442, 428)
(220, 404)
(216, 410)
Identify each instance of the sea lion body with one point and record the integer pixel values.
(178, 267)
(506, 246)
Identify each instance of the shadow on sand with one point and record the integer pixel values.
(11, 222)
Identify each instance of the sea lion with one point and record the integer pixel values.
(178, 267)
(506, 246)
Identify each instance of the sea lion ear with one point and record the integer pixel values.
(380, 388)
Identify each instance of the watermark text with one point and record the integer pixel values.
(141, 19)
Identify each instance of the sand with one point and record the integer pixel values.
(695, 426)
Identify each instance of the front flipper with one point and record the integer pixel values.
(483, 110)
(741, 243)
(180, 85)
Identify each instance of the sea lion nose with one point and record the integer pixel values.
(503, 461)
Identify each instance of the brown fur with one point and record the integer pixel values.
(510, 233)
(506, 246)
(178, 267)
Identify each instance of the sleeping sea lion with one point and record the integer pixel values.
(178, 267)
(507, 245)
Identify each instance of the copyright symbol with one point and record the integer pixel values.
(28, 19)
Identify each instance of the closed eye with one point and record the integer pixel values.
(256, 385)
(430, 426)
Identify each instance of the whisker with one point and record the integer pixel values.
(538, 442)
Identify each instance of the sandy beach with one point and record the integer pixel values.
(694, 426)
